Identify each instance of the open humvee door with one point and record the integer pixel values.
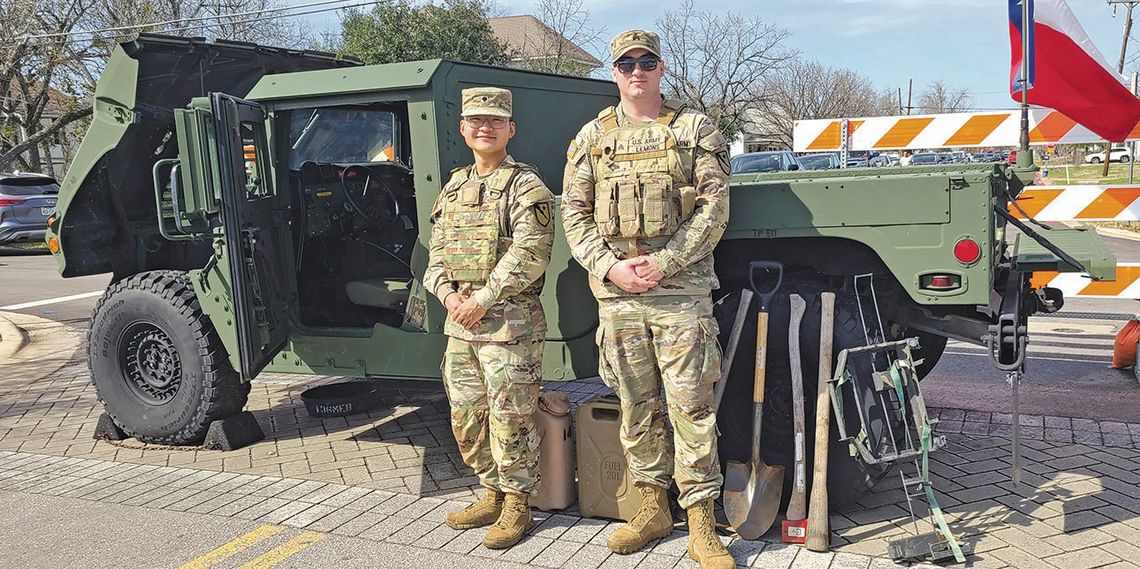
(250, 211)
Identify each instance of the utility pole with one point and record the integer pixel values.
(1130, 4)
(900, 101)
(909, 91)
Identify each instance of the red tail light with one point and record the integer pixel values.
(967, 251)
(12, 201)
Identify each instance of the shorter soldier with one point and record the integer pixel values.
(489, 250)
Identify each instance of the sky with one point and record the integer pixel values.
(964, 43)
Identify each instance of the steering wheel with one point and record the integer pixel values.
(374, 199)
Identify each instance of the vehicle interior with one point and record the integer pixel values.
(355, 228)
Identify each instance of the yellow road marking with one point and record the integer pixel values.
(284, 551)
(234, 547)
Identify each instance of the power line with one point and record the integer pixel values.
(259, 13)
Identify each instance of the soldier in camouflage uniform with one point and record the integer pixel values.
(489, 250)
(644, 202)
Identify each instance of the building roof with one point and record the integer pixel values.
(530, 38)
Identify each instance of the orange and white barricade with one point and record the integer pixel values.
(952, 130)
(1080, 203)
(1076, 285)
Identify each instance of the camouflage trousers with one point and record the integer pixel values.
(670, 342)
(493, 390)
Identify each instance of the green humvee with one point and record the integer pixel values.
(266, 210)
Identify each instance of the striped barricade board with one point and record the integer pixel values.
(1080, 203)
(1076, 285)
(952, 130)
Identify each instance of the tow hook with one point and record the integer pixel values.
(1007, 343)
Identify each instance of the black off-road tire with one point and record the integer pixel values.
(157, 363)
(848, 477)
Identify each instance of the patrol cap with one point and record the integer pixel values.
(633, 39)
(491, 101)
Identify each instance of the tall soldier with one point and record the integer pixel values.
(645, 201)
(489, 251)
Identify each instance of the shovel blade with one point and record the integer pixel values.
(752, 497)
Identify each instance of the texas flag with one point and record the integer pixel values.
(1067, 72)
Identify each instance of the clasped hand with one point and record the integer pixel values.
(638, 274)
(464, 310)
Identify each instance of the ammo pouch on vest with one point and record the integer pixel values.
(645, 205)
(471, 215)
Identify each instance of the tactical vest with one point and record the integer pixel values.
(472, 214)
(643, 177)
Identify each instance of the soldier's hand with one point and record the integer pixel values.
(624, 275)
(649, 270)
(469, 313)
(452, 302)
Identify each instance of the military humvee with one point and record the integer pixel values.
(266, 210)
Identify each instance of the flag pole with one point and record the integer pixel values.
(1024, 157)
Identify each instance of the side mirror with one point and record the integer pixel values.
(793, 167)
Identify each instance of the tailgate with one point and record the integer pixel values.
(1082, 243)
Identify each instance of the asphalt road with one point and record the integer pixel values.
(70, 532)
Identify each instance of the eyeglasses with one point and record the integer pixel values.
(496, 123)
(645, 62)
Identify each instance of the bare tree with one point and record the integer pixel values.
(53, 51)
(565, 42)
(940, 98)
(810, 90)
(717, 63)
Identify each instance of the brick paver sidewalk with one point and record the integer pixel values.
(1079, 504)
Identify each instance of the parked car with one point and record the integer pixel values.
(958, 157)
(758, 162)
(824, 161)
(26, 201)
(865, 158)
(1115, 155)
(925, 159)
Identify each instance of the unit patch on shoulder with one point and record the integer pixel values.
(722, 159)
(543, 213)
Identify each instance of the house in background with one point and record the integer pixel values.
(534, 45)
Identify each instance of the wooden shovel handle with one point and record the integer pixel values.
(817, 538)
(758, 384)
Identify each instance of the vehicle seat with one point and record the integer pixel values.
(379, 293)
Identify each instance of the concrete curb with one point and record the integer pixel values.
(12, 337)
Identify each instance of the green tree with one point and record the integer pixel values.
(403, 31)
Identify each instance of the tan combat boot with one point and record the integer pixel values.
(513, 523)
(704, 545)
(481, 513)
(651, 521)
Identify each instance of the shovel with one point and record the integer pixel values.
(752, 490)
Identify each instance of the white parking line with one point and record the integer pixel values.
(56, 300)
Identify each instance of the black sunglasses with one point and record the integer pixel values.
(646, 62)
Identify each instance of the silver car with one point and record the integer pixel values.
(26, 201)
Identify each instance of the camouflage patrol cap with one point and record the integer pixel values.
(633, 39)
(491, 101)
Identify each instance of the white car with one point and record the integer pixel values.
(1115, 155)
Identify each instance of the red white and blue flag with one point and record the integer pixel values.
(1067, 72)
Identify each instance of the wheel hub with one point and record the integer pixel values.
(151, 363)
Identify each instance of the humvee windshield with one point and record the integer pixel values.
(343, 135)
(356, 224)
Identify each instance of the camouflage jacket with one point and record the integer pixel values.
(685, 256)
(524, 239)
